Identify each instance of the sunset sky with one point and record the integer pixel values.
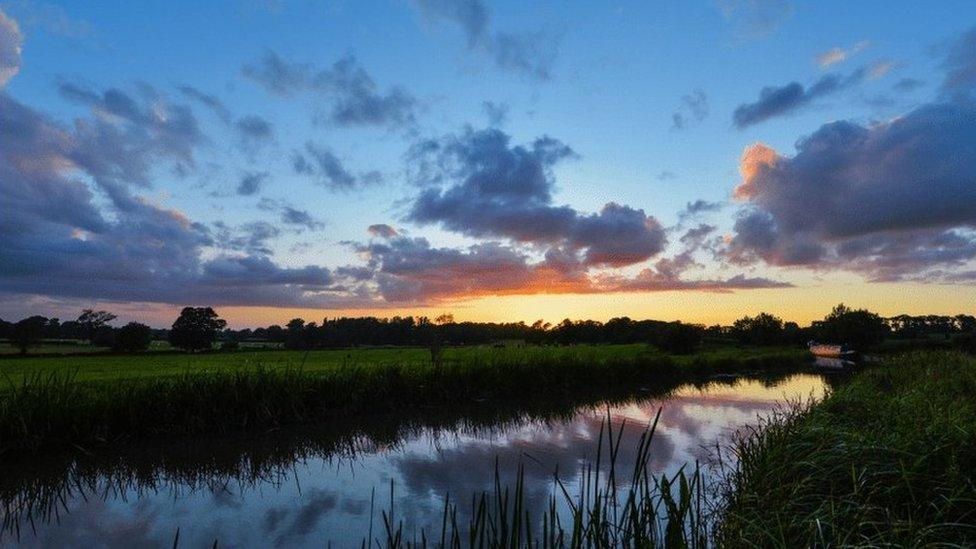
(496, 160)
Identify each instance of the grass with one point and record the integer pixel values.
(642, 511)
(94, 400)
(887, 460)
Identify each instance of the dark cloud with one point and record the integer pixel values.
(293, 216)
(780, 101)
(889, 200)
(251, 183)
(694, 108)
(755, 18)
(382, 230)
(254, 132)
(497, 113)
(352, 93)
(128, 134)
(59, 241)
(323, 166)
(10, 45)
(529, 53)
(698, 207)
(960, 66)
(210, 101)
(495, 189)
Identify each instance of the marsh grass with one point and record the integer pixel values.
(56, 409)
(887, 460)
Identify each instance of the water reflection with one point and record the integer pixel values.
(303, 488)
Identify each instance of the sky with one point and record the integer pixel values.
(500, 161)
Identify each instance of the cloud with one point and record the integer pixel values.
(495, 189)
(837, 55)
(960, 66)
(324, 166)
(528, 53)
(783, 100)
(64, 241)
(752, 19)
(382, 230)
(694, 108)
(891, 200)
(410, 270)
(294, 216)
(11, 41)
(251, 183)
(254, 132)
(128, 133)
(697, 208)
(497, 113)
(352, 93)
(210, 101)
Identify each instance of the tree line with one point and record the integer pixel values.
(200, 328)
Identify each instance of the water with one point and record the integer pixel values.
(306, 488)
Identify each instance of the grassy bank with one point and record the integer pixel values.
(48, 403)
(887, 460)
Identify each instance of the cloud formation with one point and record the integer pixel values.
(73, 227)
(323, 166)
(481, 185)
(251, 183)
(531, 54)
(837, 55)
(11, 41)
(892, 201)
(353, 95)
(694, 108)
(775, 101)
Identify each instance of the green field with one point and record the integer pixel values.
(150, 365)
(57, 401)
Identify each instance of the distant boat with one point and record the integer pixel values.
(831, 350)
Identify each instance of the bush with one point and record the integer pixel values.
(679, 338)
(132, 337)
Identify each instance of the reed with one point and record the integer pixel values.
(609, 509)
(887, 460)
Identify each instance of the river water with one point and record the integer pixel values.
(308, 489)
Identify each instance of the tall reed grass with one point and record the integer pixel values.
(888, 460)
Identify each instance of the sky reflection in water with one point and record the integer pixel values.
(322, 498)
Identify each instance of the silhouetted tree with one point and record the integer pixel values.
(92, 322)
(28, 333)
(853, 327)
(196, 328)
(132, 337)
(763, 329)
(679, 338)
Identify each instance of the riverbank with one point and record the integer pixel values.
(887, 460)
(100, 401)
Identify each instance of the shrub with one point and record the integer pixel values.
(132, 337)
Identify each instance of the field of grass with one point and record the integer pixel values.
(888, 460)
(90, 400)
(149, 365)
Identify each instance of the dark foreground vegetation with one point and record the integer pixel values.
(888, 460)
(53, 408)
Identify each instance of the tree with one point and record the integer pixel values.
(859, 327)
(679, 338)
(764, 329)
(196, 328)
(132, 337)
(28, 333)
(92, 322)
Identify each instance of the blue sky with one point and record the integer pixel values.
(642, 92)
